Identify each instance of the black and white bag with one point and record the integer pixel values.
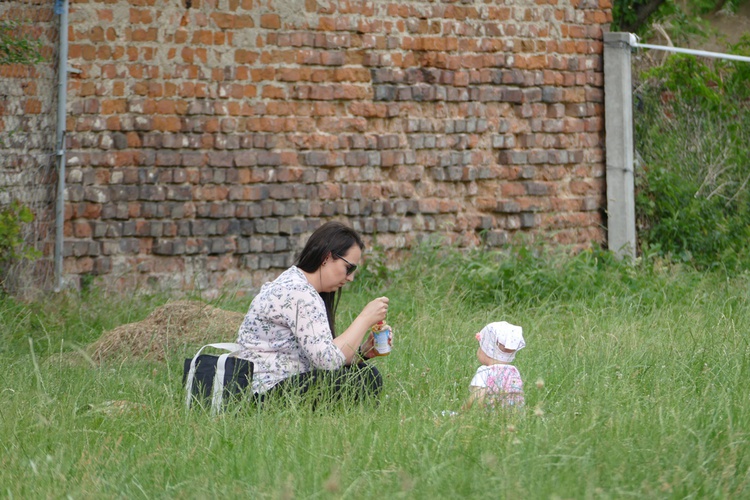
(211, 377)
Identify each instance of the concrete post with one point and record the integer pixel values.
(618, 122)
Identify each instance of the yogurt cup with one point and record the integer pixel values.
(382, 348)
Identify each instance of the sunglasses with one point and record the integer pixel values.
(350, 268)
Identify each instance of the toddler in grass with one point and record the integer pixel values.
(497, 383)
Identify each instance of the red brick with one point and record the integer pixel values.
(104, 15)
(167, 123)
(81, 229)
(202, 37)
(243, 22)
(223, 20)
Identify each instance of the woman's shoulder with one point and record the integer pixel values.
(293, 276)
(292, 281)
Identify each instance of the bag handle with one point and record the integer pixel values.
(226, 346)
(218, 389)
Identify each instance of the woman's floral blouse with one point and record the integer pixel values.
(286, 332)
(503, 383)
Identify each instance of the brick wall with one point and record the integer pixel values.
(28, 104)
(207, 139)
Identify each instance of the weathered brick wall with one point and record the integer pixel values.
(208, 138)
(28, 103)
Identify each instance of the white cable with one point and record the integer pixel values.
(702, 53)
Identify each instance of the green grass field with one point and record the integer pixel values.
(635, 375)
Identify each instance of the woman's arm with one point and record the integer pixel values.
(352, 338)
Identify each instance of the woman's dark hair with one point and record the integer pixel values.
(335, 239)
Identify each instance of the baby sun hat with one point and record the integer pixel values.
(501, 332)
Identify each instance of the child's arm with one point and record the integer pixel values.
(476, 395)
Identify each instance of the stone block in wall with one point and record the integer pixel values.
(169, 247)
(537, 188)
(265, 261)
(228, 227)
(167, 158)
(156, 229)
(128, 228)
(281, 243)
(183, 228)
(197, 246)
(528, 220)
(74, 193)
(256, 244)
(102, 265)
(537, 156)
(217, 246)
(251, 261)
(152, 193)
(99, 229)
(269, 158)
(169, 229)
(512, 157)
(508, 207)
(267, 225)
(503, 141)
(485, 222)
(292, 226)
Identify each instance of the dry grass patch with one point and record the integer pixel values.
(179, 326)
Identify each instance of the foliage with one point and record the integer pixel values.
(13, 248)
(12, 245)
(632, 15)
(631, 378)
(16, 46)
(637, 16)
(692, 134)
(704, 231)
(738, 72)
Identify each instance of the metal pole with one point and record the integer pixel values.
(61, 8)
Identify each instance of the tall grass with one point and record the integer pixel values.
(635, 378)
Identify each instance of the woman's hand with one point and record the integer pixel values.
(367, 349)
(358, 338)
(375, 311)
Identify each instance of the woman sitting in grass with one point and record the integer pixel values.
(288, 332)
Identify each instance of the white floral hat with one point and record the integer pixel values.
(501, 333)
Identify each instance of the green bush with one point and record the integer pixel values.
(692, 134)
(680, 19)
(12, 244)
(704, 231)
(12, 219)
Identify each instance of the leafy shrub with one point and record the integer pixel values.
(521, 278)
(701, 230)
(682, 18)
(527, 277)
(692, 136)
(12, 219)
(12, 244)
